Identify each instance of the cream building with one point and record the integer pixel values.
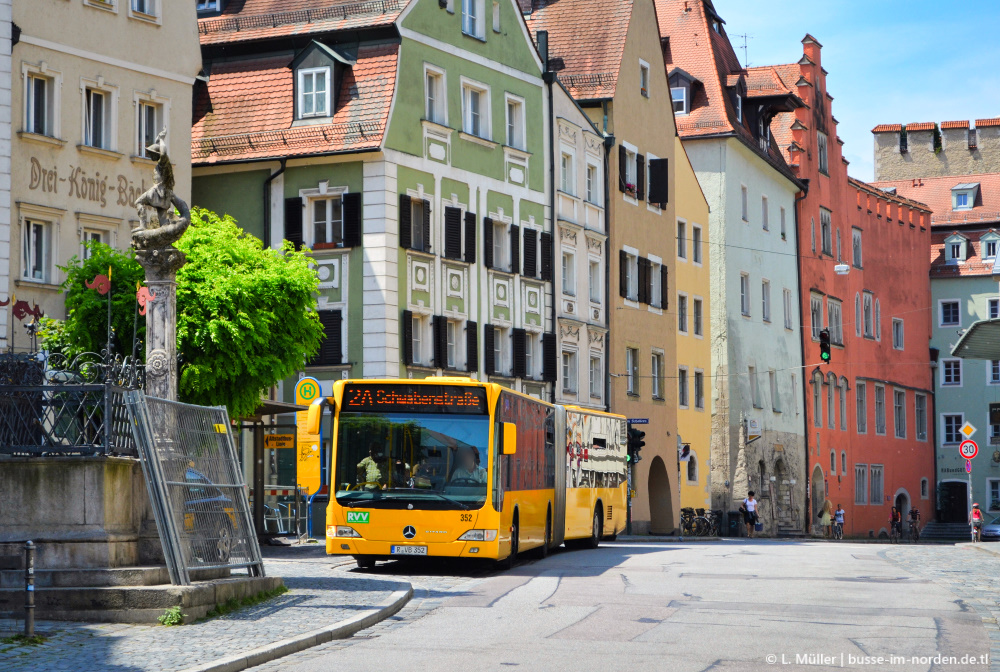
(581, 256)
(94, 82)
(5, 84)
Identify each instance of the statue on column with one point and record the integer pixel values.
(163, 218)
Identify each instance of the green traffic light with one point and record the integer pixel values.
(825, 356)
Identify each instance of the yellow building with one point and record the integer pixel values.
(694, 354)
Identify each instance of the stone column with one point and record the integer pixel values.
(161, 320)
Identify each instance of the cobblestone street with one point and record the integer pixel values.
(319, 594)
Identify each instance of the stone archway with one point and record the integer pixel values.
(818, 487)
(661, 519)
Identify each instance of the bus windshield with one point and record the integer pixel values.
(412, 460)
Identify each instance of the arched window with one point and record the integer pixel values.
(857, 314)
(831, 384)
(833, 461)
(817, 403)
(843, 462)
(843, 404)
(878, 321)
(923, 488)
(692, 468)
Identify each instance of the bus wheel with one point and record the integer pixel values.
(512, 558)
(595, 531)
(365, 562)
(543, 551)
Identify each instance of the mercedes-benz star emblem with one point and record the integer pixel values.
(409, 532)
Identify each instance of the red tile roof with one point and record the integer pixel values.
(936, 193)
(247, 20)
(955, 124)
(589, 37)
(887, 128)
(921, 126)
(245, 111)
(987, 122)
(715, 64)
(973, 264)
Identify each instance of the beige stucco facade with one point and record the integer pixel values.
(581, 257)
(955, 156)
(694, 345)
(643, 124)
(91, 79)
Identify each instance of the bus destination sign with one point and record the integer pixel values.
(408, 398)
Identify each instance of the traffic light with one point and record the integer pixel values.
(635, 444)
(824, 345)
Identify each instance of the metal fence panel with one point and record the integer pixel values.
(196, 486)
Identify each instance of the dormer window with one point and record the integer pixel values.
(314, 93)
(318, 69)
(963, 196)
(989, 245)
(955, 248)
(679, 94)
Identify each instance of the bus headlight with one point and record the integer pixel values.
(479, 535)
(345, 531)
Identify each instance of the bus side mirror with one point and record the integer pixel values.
(509, 438)
(315, 415)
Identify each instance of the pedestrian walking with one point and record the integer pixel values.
(976, 520)
(749, 510)
(826, 517)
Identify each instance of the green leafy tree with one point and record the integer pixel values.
(246, 314)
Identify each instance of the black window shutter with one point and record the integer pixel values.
(515, 248)
(622, 167)
(487, 242)
(427, 226)
(440, 341)
(549, 357)
(520, 345)
(405, 222)
(470, 237)
(649, 282)
(488, 360)
(530, 253)
(664, 288)
(407, 337)
(546, 252)
(622, 276)
(452, 233)
(352, 219)
(640, 177)
(293, 221)
(658, 182)
(641, 292)
(471, 346)
(329, 349)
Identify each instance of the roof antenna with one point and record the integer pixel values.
(745, 36)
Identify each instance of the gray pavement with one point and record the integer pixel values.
(319, 595)
(726, 605)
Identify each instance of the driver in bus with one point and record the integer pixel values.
(369, 469)
(468, 468)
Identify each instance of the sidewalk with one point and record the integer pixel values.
(321, 604)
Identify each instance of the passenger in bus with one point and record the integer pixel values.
(370, 469)
(468, 468)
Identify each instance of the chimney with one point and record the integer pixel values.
(525, 6)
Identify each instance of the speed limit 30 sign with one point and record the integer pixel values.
(968, 449)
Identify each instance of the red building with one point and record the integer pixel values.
(864, 278)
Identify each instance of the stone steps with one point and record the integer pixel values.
(133, 604)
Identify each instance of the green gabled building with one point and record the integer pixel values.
(405, 144)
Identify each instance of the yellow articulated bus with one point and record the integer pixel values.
(449, 466)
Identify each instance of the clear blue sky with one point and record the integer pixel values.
(890, 61)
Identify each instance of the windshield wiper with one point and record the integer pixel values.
(430, 492)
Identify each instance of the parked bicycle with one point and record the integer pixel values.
(701, 523)
(689, 522)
